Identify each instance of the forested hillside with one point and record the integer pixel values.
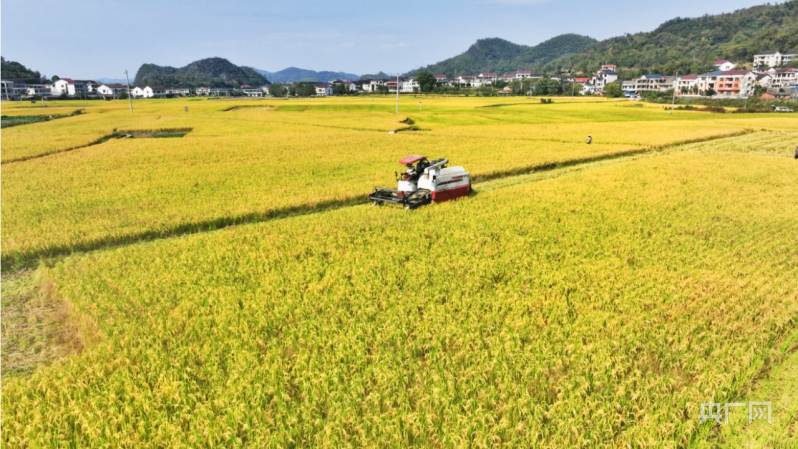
(499, 55)
(210, 72)
(690, 45)
(15, 70)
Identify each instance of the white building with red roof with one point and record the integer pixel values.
(724, 65)
(70, 87)
(686, 85)
(113, 89)
(487, 78)
(441, 78)
(323, 90)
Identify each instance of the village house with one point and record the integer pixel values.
(112, 90)
(154, 92)
(13, 89)
(441, 79)
(599, 81)
(323, 90)
(37, 90)
(686, 85)
(487, 78)
(178, 91)
(392, 84)
(137, 92)
(770, 58)
(410, 86)
(71, 87)
(724, 65)
(736, 83)
(789, 57)
(783, 78)
(645, 83)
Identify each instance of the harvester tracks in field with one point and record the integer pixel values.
(485, 182)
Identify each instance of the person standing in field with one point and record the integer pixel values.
(589, 139)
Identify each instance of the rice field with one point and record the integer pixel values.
(595, 303)
(241, 164)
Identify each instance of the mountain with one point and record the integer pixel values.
(501, 56)
(691, 45)
(293, 74)
(211, 72)
(112, 80)
(15, 70)
(378, 76)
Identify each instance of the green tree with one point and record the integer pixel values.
(340, 89)
(382, 89)
(277, 90)
(613, 90)
(426, 80)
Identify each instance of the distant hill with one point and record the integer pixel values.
(501, 56)
(211, 72)
(112, 80)
(691, 45)
(377, 76)
(15, 70)
(293, 74)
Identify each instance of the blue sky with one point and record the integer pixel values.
(93, 39)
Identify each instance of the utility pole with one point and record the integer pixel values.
(673, 101)
(397, 93)
(129, 98)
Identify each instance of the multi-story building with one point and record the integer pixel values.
(645, 83)
(154, 92)
(468, 81)
(770, 58)
(323, 90)
(410, 85)
(178, 91)
(72, 87)
(686, 85)
(37, 90)
(113, 89)
(441, 79)
(789, 57)
(13, 89)
(487, 78)
(736, 83)
(783, 78)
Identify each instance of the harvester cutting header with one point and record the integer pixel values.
(423, 183)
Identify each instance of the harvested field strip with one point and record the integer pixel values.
(164, 132)
(8, 121)
(12, 260)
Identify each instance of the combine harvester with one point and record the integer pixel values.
(426, 182)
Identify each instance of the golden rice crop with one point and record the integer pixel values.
(597, 309)
(243, 163)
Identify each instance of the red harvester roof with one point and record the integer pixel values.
(411, 159)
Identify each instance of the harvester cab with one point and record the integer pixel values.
(424, 182)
